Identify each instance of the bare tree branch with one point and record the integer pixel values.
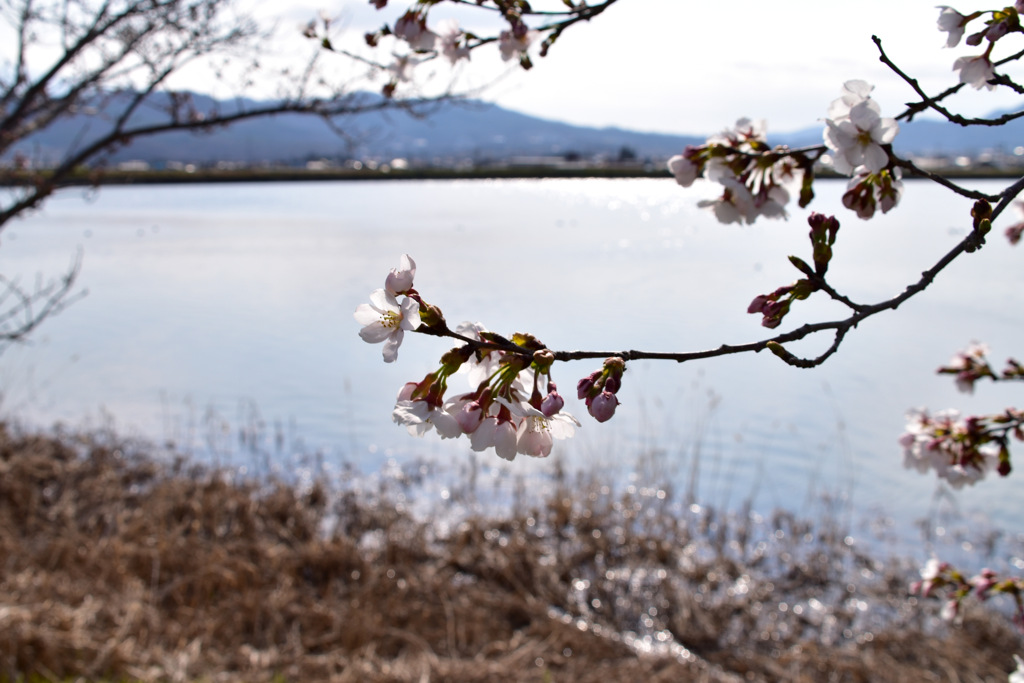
(23, 310)
(114, 59)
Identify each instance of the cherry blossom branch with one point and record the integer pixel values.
(942, 577)
(509, 411)
(507, 407)
(1006, 81)
(456, 44)
(969, 243)
(942, 180)
(592, 10)
(971, 365)
(933, 102)
(820, 283)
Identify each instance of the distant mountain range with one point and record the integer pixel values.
(456, 130)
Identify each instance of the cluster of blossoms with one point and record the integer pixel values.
(858, 137)
(757, 179)
(979, 71)
(960, 450)
(774, 307)
(446, 39)
(513, 405)
(940, 577)
(506, 410)
(514, 43)
(969, 366)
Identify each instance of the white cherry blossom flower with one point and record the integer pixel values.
(919, 451)
(773, 203)
(536, 432)
(466, 410)
(857, 139)
(419, 417)
(399, 280)
(930, 443)
(449, 34)
(931, 577)
(953, 23)
(745, 130)
(854, 92)
(719, 171)
(385, 320)
(479, 370)
(499, 434)
(684, 170)
(975, 71)
(512, 45)
(411, 29)
(736, 205)
(403, 67)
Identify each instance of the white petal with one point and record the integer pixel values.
(383, 301)
(375, 333)
(483, 437)
(366, 314)
(536, 444)
(864, 116)
(410, 412)
(858, 88)
(446, 425)
(505, 441)
(885, 131)
(410, 314)
(875, 158)
(391, 345)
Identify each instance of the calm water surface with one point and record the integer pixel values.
(213, 307)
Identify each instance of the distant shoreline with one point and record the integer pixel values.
(248, 175)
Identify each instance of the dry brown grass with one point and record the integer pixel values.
(117, 567)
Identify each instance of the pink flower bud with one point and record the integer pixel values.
(997, 31)
(758, 304)
(584, 386)
(552, 403)
(603, 406)
(975, 38)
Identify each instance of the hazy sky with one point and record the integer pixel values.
(676, 66)
(695, 67)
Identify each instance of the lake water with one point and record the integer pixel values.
(217, 308)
